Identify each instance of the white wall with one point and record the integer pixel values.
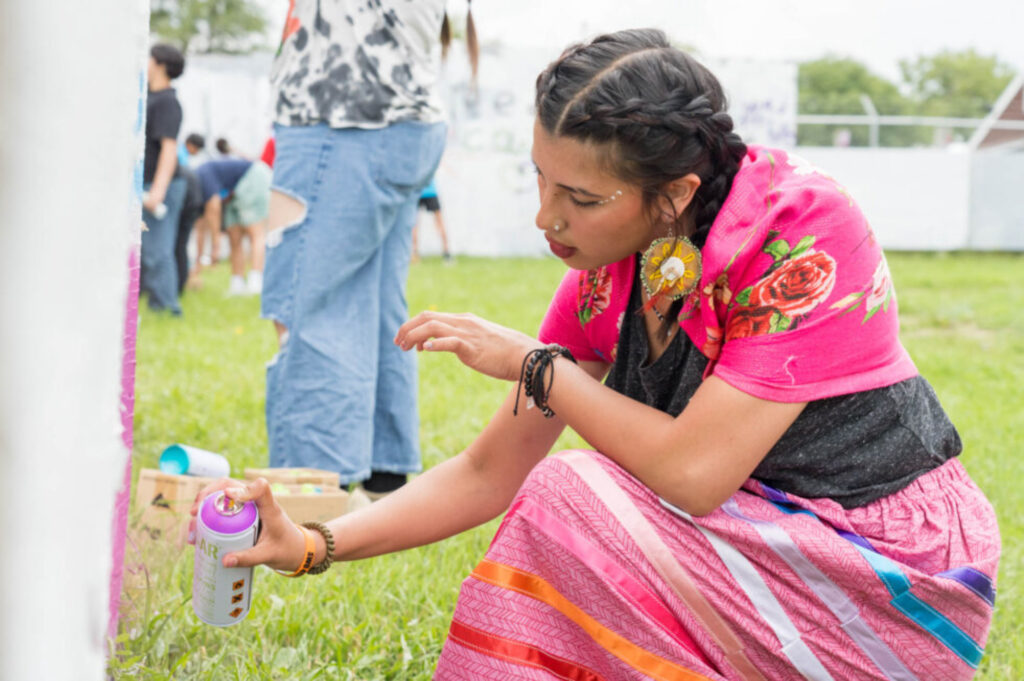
(487, 186)
(997, 200)
(915, 199)
(227, 96)
(762, 96)
(486, 181)
(71, 79)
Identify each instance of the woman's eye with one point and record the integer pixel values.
(582, 204)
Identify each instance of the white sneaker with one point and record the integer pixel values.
(236, 287)
(254, 283)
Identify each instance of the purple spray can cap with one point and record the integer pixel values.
(225, 516)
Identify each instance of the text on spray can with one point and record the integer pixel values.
(221, 595)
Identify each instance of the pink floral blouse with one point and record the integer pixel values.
(795, 301)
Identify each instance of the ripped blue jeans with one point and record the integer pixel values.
(340, 395)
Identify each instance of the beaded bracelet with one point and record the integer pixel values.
(537, 375)
(328, 536)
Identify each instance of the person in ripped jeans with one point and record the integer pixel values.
(359, 133)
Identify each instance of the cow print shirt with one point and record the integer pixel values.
(363, 64)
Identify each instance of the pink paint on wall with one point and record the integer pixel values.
(120, 523)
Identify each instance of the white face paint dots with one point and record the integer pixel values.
(558, 227)
(617, 194)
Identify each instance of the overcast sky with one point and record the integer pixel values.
(876, 32)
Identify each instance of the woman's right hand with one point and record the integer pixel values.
(281, 544)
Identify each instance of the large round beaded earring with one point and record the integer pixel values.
(670, 268)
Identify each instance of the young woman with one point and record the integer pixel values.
(773, 491)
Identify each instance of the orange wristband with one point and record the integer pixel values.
(307, 558)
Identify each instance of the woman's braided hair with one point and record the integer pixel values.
(656, 114)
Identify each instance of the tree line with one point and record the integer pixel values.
(949, 84)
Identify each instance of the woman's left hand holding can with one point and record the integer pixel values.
(281, 544)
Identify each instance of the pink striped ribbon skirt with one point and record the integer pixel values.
(592, 576)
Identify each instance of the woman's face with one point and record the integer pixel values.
(577, 194)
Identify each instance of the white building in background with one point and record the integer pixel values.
(965, 196)
(997, 175)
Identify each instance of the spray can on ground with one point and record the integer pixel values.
(221, 595)
(179, 459)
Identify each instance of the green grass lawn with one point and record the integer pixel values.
(200, 380)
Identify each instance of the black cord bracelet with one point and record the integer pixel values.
(537, 375)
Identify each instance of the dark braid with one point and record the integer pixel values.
(656, 114)
(660, 113)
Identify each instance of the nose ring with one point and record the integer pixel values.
(557, 227)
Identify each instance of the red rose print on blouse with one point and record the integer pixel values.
(595, 293)
(881, 286)
(798, 286)
(750, 321)
(798, 280)
(713, 344)
(875, 298)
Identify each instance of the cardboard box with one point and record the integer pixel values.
(163, 490)
(162, 503)
(295, 476)
(305, 494)
(157, 533)
(303, 504)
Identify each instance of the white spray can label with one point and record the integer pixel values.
(181, 459)
(221, 596)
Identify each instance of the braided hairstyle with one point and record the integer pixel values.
(655, 113)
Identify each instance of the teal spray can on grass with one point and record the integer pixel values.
(181, 459)
(220, 595)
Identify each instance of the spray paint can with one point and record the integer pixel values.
(161, 209)
(221, 596)
(181, 459)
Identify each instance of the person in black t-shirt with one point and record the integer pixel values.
(164, 190)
